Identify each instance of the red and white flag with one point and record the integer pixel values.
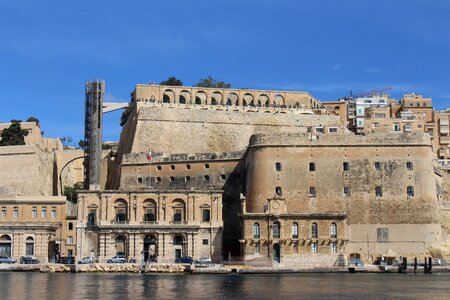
(149, 155)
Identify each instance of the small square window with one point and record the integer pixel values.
(139, 180)
(223, 176)
(346, 166)
(278, 191)
(409, 166)
(278, 166)
(159, 168)
(377, 166)
(319, 129)
(172, 167)
(378, 191)
(206, 177)
(332, 130)
(346, 191)
(158, 179)
(187, 178)
(188, 167)
(312, 191)
(312, 167)
(172, 179)
(205, 241)
(206, 166)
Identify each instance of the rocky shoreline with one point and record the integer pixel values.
(191, 269)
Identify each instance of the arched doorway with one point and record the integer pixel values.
(150, 248)
(178, 246)
(5, 245)
(120, 245)
(276, 253)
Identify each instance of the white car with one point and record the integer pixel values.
(204, 260)
(117, 259)
(86, 260)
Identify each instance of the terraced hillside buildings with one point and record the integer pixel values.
(264, 175)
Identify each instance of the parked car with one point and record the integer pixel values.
(7, 260)
(87, 260)
(117, 259)
(29, 260)
(184, 260)
(205, 260)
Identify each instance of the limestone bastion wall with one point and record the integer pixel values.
(179, 129)
(26, 171)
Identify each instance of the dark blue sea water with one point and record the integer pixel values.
(284, 286)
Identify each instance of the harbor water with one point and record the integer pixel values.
(25, 285)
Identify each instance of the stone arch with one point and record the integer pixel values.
(200, 98)
(185, 95)
(244, 103)
(232, 98)
(278, 100)
(120, 245)
(247, 98)
(264, 99)
(29, 246)
(150, 210)
(5, 245)
(178, 246)
(150, 250)
(168, 96)
(121, 210)
(216, 98)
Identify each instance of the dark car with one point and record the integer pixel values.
(184, 260)
(65, 260)
(29, 260)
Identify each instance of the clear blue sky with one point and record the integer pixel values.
(49, 48)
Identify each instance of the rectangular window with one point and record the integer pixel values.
(205, 241)
(16, 212)
(178, 215)
(70, 226)
(278, 166)
(312, 167)
(3, 212)
(410, 191)
(53, 212)
(314, 247)
(377, 166)
(44, 212)
(312, 191)
(396, 127)
(34, 212)
(29, 248)
(378, 191)
(278, 191)
(319, 129)
(346, 191)
(409, 166)
(206, 215)
(333, 248)
(382, 235)
(69, 240)
(257, 248)
(345, 166)
(332, 130)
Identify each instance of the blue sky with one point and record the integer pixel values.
(49, 48)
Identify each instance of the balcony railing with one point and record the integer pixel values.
(149, 222)
(178, 222)
(119, 222)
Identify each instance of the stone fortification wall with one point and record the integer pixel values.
(26, 171)
(178, 129)
(372, 161)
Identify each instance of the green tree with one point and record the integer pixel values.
(172, 80)
(212, 83)
(13, 135)
(125, 114)
(82, 144)
(33, 119)
(66, 141)
(71, 192)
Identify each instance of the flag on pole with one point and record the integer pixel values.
(149, 155)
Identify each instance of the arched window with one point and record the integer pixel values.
(121, 209)
(256, 231)
(166, 99)
(333, 231)
(29, 246)
(198, 100)
(229, 102)
(314, 231)
(149, 210)
(295, 231)
(5, 245)
(278, 191)
(178, 211)
(182, 100)
(178, 240)
(276, 230)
